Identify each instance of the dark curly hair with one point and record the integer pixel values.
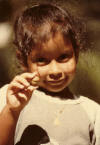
(38, 24)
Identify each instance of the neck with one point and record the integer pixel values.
(64, 94)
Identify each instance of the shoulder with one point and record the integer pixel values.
(89, 103)
(91, 108)
(3, 89)
(3, 92)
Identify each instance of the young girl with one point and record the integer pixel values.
(37, 107)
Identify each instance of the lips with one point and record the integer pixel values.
(56, 82)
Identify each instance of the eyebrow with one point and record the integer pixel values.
(42, 52)
(68, 51)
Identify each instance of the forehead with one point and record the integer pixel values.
(53, 47)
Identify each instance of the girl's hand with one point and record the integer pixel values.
(20, 90)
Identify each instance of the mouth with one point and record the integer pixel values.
(56, 83)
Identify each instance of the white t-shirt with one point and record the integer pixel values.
(46, 120)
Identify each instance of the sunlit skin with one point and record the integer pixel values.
(55, 62)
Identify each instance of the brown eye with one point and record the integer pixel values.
(42, 61)
(64, 57)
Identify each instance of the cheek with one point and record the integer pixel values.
(43, 71)
(70, 67)
(32, 67)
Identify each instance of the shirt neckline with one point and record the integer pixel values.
(42, 95)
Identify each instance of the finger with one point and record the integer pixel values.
(13, 101)
(35, 81)
(16, 85)
(22, 81)
(28, 91)
(29, 75)
(22, 97)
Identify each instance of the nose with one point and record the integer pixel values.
(55, 76)
(55, 72)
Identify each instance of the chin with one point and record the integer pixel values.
(55, 89)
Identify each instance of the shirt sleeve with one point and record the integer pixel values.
(97, 127)
(3, 92)
(93, 110)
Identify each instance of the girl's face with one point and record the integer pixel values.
(55, 62)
